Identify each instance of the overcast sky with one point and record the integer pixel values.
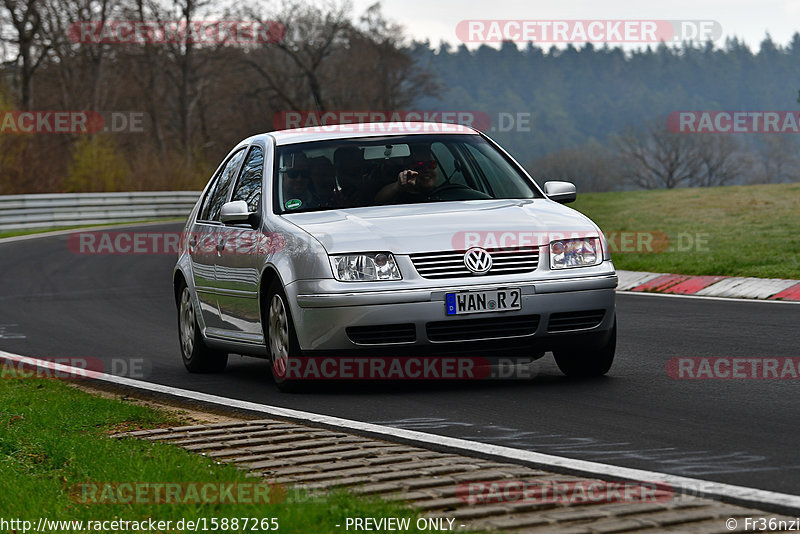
(750, 20)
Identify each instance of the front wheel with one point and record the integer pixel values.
(281, 339)
(588, 361)
(197, 356)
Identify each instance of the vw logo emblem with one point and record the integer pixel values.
(478, 260)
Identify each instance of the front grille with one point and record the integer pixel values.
(582, 320)
(382, 334)
(450, 264)
(472, 329)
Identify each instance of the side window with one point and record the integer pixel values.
(248, 188)
(219, 191)
(201, 215)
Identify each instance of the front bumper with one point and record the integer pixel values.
(322, 316)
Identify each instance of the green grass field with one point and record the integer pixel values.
(743, 230)
(53, 438)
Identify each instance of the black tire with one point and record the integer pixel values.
(588, 361)
(280, 336)
(196, 355)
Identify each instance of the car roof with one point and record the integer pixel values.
(354, 131)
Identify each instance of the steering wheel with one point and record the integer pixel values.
(448, 191)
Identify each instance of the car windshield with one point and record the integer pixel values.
(356, 173)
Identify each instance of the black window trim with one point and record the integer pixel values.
(217, 174)
(250, 148)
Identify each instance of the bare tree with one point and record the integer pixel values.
(148, 64)
(189, 83)
(173, 76)
(6, 38)
(327, 62)
(292, 68)
(82, 67)
(776, 160)
(201, 97)
(387, 75)
(654, 157)
(721, 159)
(592, 167)
(25, 19)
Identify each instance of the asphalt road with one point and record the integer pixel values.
(56, 303)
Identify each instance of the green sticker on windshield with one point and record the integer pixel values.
(293, 204)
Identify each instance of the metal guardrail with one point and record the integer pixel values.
(23, 212)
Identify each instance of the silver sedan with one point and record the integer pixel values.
(389, 240)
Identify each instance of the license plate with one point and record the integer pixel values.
(465, 302)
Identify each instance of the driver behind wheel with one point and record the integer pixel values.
(415, 182)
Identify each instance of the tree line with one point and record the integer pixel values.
(199, 98)
(597, 114)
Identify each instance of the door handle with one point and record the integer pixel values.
(220, 245)
(193, 242)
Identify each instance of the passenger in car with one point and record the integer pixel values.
(297, 182)
(323, 182)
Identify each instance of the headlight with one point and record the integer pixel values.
(365, 267)
(575, 253)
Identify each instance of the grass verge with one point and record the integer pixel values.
(53, 439)
(731, 231)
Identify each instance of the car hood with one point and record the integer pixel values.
(411, 228)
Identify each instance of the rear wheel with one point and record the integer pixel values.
(590, 360)
(281, 339)
(197, 356)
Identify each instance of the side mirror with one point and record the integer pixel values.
(236, 212)
(561, 192)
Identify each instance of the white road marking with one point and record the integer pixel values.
(98, 228)
(780, 502)
(4, 334)
(702, 297)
